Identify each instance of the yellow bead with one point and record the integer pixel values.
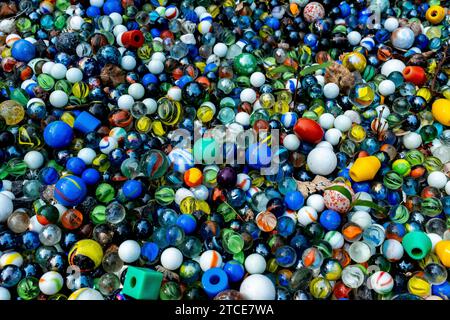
(365, 168)
(443, 251)
(441, 111)
(435, 14)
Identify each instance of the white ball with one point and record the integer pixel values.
(333, 136)
(361, 218)
(4, 294)
(116, 18)
(125, 102)
(383, 110)
(50, 283)
(324, 144)
(412, 140)
(434, 238)
(129, 251)
(47, 67)
(343, 123)
(257, 287)
(136, 90)
(182, 193)
(391, 24)
(447, 188)
(220, 49)
(9, 194)
(437, 179)
(316, 201)
(6, 207)
(58, 99)
(210, 259)
(171, 258)
(76, 22)
(353, 115)
(354, 38)
(151, 105)
(97, 3)
(155, 66)
(255, 263)
(391, 66)
(331, 90)
(291, 142)
(34, 159)
(257, 79)
(326, 120)
(160, 56)
(362, 196)
(386, 87)
(306, 216)
(74, 75)
(248, 95)
(322, 161)
(58, 71)
(128, 63)
(243, 118)
(118, 31)
(174, 93)
(87, 155)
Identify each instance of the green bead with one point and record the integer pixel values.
(245, 64)
(28, 288)
(417, 244)
(142, 283)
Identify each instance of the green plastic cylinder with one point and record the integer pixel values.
(417, 244)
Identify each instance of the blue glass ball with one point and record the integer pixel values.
(58, 134)
(187, 222)
(23, 50)
(150, 251)
(330, 220)
(70, 190)
(132, 189)
(111, 6)
(234, 270)
(294, 200)
(258, 156)
(75, 165)
(48, 175)
(90, 176)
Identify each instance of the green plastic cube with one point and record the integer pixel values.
(142, 283)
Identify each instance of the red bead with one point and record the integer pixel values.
(415, 74)
(133, 39)
(308, 130)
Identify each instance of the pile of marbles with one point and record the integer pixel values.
(331, 121)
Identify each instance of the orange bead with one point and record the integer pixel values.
(193, 177)
(415, 74)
